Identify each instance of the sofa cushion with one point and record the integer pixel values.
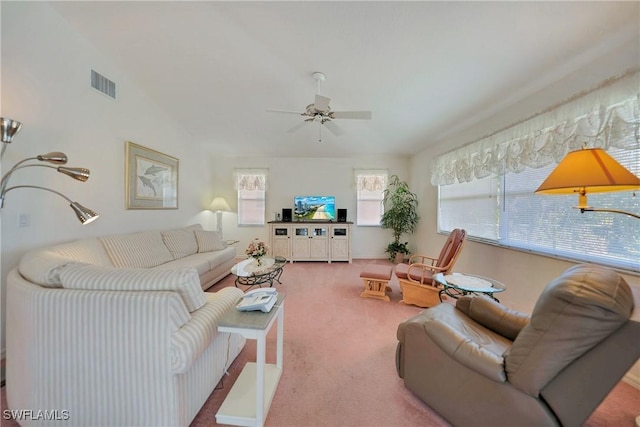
(208, 241)
(137, 250)
(185, 281)
(575, 312)
(181, 242)
(199, 262)
(41, 266)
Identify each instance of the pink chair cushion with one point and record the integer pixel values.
(378, 272)
(451, 246)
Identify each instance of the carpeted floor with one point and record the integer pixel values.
(339, 352)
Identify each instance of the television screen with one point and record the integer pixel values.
(321, 208)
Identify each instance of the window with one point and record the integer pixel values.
(370, 186)
(251, 186)
(506, 211)
(487, 186)
(480, 197)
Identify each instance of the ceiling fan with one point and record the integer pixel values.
(320, 112)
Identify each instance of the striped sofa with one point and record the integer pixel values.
(110, 331)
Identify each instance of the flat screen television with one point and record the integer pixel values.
(314, 208)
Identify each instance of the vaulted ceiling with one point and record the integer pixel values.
(426, 70)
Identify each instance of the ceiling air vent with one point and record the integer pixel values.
(103, 84)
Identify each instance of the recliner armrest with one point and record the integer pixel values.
(466, 351)
(493, 315)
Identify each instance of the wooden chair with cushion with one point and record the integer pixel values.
(416, 277)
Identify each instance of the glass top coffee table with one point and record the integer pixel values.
(457, 284)
(249, 274)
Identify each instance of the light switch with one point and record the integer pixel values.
(24, 220)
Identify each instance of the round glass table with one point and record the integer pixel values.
(457, 284)
(248, 273)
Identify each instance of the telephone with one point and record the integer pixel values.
(262, 299)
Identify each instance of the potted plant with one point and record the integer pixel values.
(400, 215)
(397, 251)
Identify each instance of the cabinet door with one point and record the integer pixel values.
(319, 244)
(281, 241)
(301, 238)
(340, 244)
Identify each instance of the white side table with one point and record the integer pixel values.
(249, 400)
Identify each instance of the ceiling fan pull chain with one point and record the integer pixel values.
(320, 133)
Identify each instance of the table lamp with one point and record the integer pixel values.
(219, 205)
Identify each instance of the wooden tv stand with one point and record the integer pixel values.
(311, 240)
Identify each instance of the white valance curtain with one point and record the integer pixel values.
(250, 179)
(606, 116)
(371, 179)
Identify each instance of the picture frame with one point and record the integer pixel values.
(151, 178)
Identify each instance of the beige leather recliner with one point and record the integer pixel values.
(481, 364)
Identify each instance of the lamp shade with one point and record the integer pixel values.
(219, 204)
(8, 128)
(80, 174)
(55, 157)
(84, 214)
(588, 170)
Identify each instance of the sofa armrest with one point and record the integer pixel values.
(466, 351)
(493, 315)
(188, 343)
(61, 340)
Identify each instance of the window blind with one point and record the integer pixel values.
(506, 211)
(251, 186)
(370, 186)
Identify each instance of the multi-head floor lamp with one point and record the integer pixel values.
(9, 129)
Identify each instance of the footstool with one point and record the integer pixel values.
(375, 278)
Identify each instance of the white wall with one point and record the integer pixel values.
(289, 177)
(46, 85)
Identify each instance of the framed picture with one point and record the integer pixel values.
(151, 178)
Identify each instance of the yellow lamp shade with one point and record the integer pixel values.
(588, 171)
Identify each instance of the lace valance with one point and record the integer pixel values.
(371, 179)
(608, 116)
(250, 179)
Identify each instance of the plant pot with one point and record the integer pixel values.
(399, 258)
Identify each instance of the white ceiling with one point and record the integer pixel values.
(425, 69)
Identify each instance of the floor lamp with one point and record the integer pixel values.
(219, 205)
(8, 128)
(590, 170)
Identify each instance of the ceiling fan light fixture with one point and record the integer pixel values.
(321, 112)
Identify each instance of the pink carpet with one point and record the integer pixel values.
(339, 358)
(339, 352)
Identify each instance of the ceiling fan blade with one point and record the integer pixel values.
(283, 111)
(333, 128)
(363, 115)
(298, 126)
(321, 103)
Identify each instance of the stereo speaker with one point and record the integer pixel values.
(286, 215)
(342, 215)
